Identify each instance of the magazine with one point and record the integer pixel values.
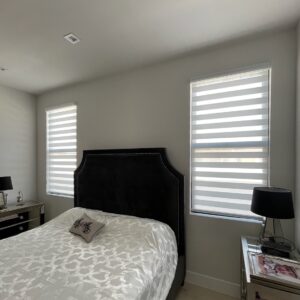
(279, 268)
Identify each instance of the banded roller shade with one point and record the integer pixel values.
(61, 150)
(229, 142)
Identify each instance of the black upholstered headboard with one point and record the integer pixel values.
(139, 182)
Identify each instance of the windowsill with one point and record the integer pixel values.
(227, 218)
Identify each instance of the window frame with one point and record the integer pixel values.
(48, 109)
(216, 215)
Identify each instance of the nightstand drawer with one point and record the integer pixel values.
(266, 293)
(13, 219)
(10, 225)
(19, 218)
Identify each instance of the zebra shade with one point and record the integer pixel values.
(61, 150)
(229, 142)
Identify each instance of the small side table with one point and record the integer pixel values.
(18, 218)
(255, 286)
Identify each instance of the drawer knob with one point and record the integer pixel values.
(21, 228)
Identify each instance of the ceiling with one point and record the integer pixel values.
(117, 35)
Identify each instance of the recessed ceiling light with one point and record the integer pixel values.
(72, 38)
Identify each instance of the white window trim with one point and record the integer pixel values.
(50, 109)
(247, 219)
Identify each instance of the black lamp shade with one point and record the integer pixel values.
(272, 202)
(5, 183)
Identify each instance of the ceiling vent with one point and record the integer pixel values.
(72, 38)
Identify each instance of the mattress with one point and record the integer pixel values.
(131, 258)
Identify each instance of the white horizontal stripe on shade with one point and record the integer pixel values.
(231, 120)
(232, 114)
(61, 150)
(224, 202)
(55, 173)
(233, 139)
(62, 154)
(61, 119)
(221, 180)
(222, 194)
(230, 156)
(229, 94)
(65, 161)
(64, 148)
(58, 186)
(262, 96)
(234, 209)
(222, 189)
(56, 165)
(62, 129)
(231, 123)
(223, 107)
(60, 124)
(63, 136)
(232, 165)
(245, 175)
(230, 89)
(58, 179)
(229, 170)
(229, 142)
(231, 185)
(225, 160)
(207, 112)
(220, 130)
(61, 116)
(233, 134)
(229, 150)
(66, 141)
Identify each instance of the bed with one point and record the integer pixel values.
(140, 253)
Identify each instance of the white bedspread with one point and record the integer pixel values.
(131, 258)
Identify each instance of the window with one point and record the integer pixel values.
(61, 150)
(229, 142)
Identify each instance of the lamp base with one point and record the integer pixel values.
(277, 246)
(3, 200)
(275, 252)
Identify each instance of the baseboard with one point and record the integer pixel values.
(215, 284)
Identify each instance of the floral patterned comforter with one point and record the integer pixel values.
(131, 258)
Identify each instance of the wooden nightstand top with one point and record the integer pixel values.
(14, 208)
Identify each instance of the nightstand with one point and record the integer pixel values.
(18, 218)
(257, 286)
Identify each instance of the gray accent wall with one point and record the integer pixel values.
(18, 141)
(149, 107)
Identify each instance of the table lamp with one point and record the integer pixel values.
(5, 184)
(273, 203)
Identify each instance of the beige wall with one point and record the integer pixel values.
(150, 108)
(18, 141)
